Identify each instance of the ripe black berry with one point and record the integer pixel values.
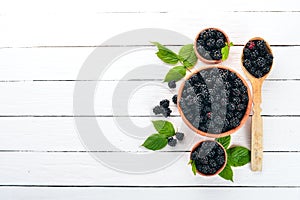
(164, 103)
(172, 84)
(157, 110)
(167, 112)
(174, 99)
(172, 142)
(179, 136)
(210, 43)
(220, 43)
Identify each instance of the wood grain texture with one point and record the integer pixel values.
(75, 193)
(56, 98)
(59, 29)
(60, 134)
(65, 63)
(81, 169)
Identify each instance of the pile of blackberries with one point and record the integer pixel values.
(257, 58)
(209, 44)
(209, 157)
(163, 107)
(214, 100)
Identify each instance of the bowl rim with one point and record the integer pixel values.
(229, 132)
(221, 169)
(242, 58)
(201, 57)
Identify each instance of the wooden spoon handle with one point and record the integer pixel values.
(257, 129)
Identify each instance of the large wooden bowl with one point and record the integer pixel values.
(223, 134)
(200, 57)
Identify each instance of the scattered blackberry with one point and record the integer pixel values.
(158, 110)
(167, 112)
(172, 84)
(179, 136)
(214, 100)
(174, 99)
(257, 58)
(172, 142)
(164, 103)
(209, 157)
(209, 44)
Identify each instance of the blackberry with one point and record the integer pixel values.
(207, 56)
(179, 136)
(200, 42)
(236, 92)
(204, 160)
(210, 43)
(172, 84)
(220, 35)
(201, 50)
(164, 103)
(211, 33)
(216, 55)
(158, 110)
(231, 107)
(220, 43)
(261, 44)
(174, 99)
(254, 54)
(234, 122)
(269, 59)
(167, 112)
(212, 163)
(172, 142)
(241, 107)
(247, 53)
(261, 62)
(236, 100)
(220, 160)
(204, 35)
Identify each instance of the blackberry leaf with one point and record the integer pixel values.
(165, 54)
(176, 73)
(155, 142)
(164, 127)
(238, 156)
(224, 141)
(188, 56)
(227, 173)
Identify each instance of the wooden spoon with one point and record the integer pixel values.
(257, 122)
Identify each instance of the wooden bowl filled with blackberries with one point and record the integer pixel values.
(214, 101)
(208, 45)
(208, 157)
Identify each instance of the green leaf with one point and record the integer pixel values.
(231, 44)
(227, 173)
(224, 141)
(194, 169)
(164, 127)
(225, 51)
(155, 142)
(238, 156)
(176, 73)
(165, 54)
(188, 56)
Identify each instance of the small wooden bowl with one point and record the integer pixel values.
(221, 169)
(200, 57)
(242, 122)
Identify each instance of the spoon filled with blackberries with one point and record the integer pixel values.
(257, 61)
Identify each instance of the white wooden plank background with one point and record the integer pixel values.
(43, 45)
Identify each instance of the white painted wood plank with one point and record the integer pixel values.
(89, 6)
(65, 63)
(94, 28)
(37, 193)
(56, 98)
(279, 169)
(60, 134)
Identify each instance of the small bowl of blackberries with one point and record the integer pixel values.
(214, 101)
(208, 45)
(209, 157)
(257, 57)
